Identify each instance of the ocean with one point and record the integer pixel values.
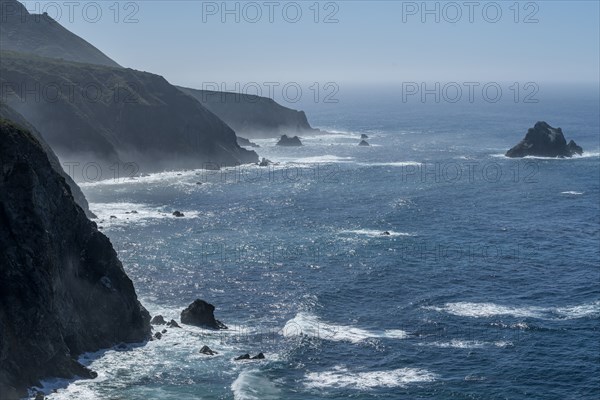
(425, 266)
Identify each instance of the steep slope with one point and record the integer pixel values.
(253, 116)
(62, 289)
(41, 35)
(89, 113)
(9, 114)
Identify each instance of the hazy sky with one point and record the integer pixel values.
(353, 41)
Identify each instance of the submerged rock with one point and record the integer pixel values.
(289, 141)
(178, 214)
(200, 313)
(363, 143)
(242, 357)
(259, 356)
(544, 141)
(208, 351)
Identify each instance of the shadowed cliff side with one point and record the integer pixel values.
(253, 116)
(62, 289)
(90, 113)
(9, 114)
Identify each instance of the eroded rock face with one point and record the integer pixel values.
(63, 290)
(544, 141)
(200, 313)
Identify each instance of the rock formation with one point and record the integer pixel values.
(63, 290)
(289, 141)
(200, 313)
(363, 143)
(544, 141)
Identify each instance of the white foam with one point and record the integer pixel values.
(392, 164)
(467, 344)
(572, 193)
(375, 233)
(158, 177)
(327, 158)
(484, 310)
(251, 385)
(124, 216)
(586, 154)
(305, 324)
(340, 377)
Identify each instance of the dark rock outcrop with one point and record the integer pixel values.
(363, 143)
(200, 313)
(242, 357)
(178, 214)
(63, 290)
(264, 162)
(259, 356)
(253, 116)
(208, 351)
(363, 136)
(544, 141)
(285, 140)
(173, 324)
(158, 320)
(246, 143)
(41, 35)
(10, 114)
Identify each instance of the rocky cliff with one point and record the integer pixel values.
(62, 289)
(39, 34)
(90, 113)
(253, 116)
(8, 113)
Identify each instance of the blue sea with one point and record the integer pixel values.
(486, 285)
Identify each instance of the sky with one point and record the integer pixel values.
(203, 43)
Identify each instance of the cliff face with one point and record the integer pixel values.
(90, 113)
(9, 114)
(41, 35)
(62, 289)
(253, 116)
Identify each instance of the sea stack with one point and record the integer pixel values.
(63, 290)
(363, 143)
(544, 141)
(289, 141)
(200, 313)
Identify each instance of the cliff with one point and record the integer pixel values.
(41, 35)
(9, 114)
(90, 113)
(253, 116)
(62, 289)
